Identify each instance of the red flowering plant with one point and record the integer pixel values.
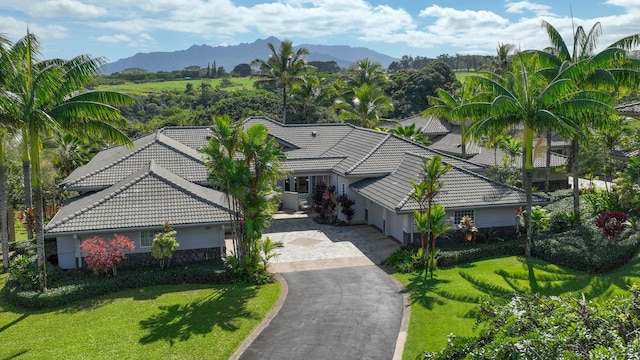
(612, 223)
(103, 256)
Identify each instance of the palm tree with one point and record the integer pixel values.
(71, 152)
(283, 68)
(447, 105)
(365, 72)
(51, 97)
(411, 133)
(526, 97)
(366, 106)
(502, 62)
(7, 124)
(245, 164)
(611, 66)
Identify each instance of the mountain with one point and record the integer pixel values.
(230, 56)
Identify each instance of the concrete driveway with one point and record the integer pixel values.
(339, 304)
(312, 246)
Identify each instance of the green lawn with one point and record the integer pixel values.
(174, 86)
(161, 322)
(446, 304)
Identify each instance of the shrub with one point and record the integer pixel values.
(539, 219)
(346, 207)
(531, 326)
(23, 272)
(102, 256)
(612, 223)
(325, 201)
(164, 244)
(562, 221)
(79, 284)
(402, 260)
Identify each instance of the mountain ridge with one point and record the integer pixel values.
(229, 56)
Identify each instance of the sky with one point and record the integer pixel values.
(116, 29)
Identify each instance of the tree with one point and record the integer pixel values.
(51, 96)
(245, 164)
(525, 97)
(364, 72)
(447, 105)
(611, 67)
(411, 133)
(71, 152)
(284, 68)
(241, 70)
(502, 62)
(366, 106)
(164, 244)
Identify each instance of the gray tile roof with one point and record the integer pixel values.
(629, 110)
(195, 137)
(429, 125)
(462, 189)
(451, 143)
(145, 198)
(488, 156)
(112, 165)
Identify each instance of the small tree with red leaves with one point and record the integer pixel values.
(612, 223)
(104, 256)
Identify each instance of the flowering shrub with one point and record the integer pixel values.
(164, 244)
(104, 256)
(612, 223)
(346, 207)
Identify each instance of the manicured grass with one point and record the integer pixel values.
(175, 86)
(21, 230)
(446, 304)
(160, 322)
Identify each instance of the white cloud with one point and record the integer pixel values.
(66, 8)
(114, 39)
(16, 29)
(627, 4)
(520, 7)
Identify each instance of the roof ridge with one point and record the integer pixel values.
(369, 154)
(179, 146)
(164, 175)
(117, 161)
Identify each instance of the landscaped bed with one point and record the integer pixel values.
(447, 303)
(187, 321)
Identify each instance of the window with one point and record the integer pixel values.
(459, 214)
(146, 238)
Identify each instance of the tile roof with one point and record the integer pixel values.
(112, 165)
(145, 198)
(462, 189)
(488, 157)
(195, 137)
(629, 110)
(451, 143)
(429, 125)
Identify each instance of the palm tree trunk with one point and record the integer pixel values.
(575, 170)
(4, 230)
(26, 176)
(284, 104)
(547, 170)
(38, 199)
(527, 182)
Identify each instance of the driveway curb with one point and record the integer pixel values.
(284, 290)
(404, 324)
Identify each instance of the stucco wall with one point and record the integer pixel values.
(189, 238)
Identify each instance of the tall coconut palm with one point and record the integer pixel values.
(502, 62)
(52, 97)
(284, 68)
(447, 104)
(526, 97)
(365, 72)
(366, 107)
(410, 132)
(611, 66)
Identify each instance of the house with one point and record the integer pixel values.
(132, 192)
(163, 178)
(447, 137)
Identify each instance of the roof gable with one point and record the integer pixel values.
(461, 188)
(113, 165)
(145, 198)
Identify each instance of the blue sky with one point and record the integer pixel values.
(121, 28)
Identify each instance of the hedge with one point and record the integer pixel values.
(79, 285)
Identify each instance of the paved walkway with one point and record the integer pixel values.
(339, 304)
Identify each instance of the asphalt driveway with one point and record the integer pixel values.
(339, 304)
